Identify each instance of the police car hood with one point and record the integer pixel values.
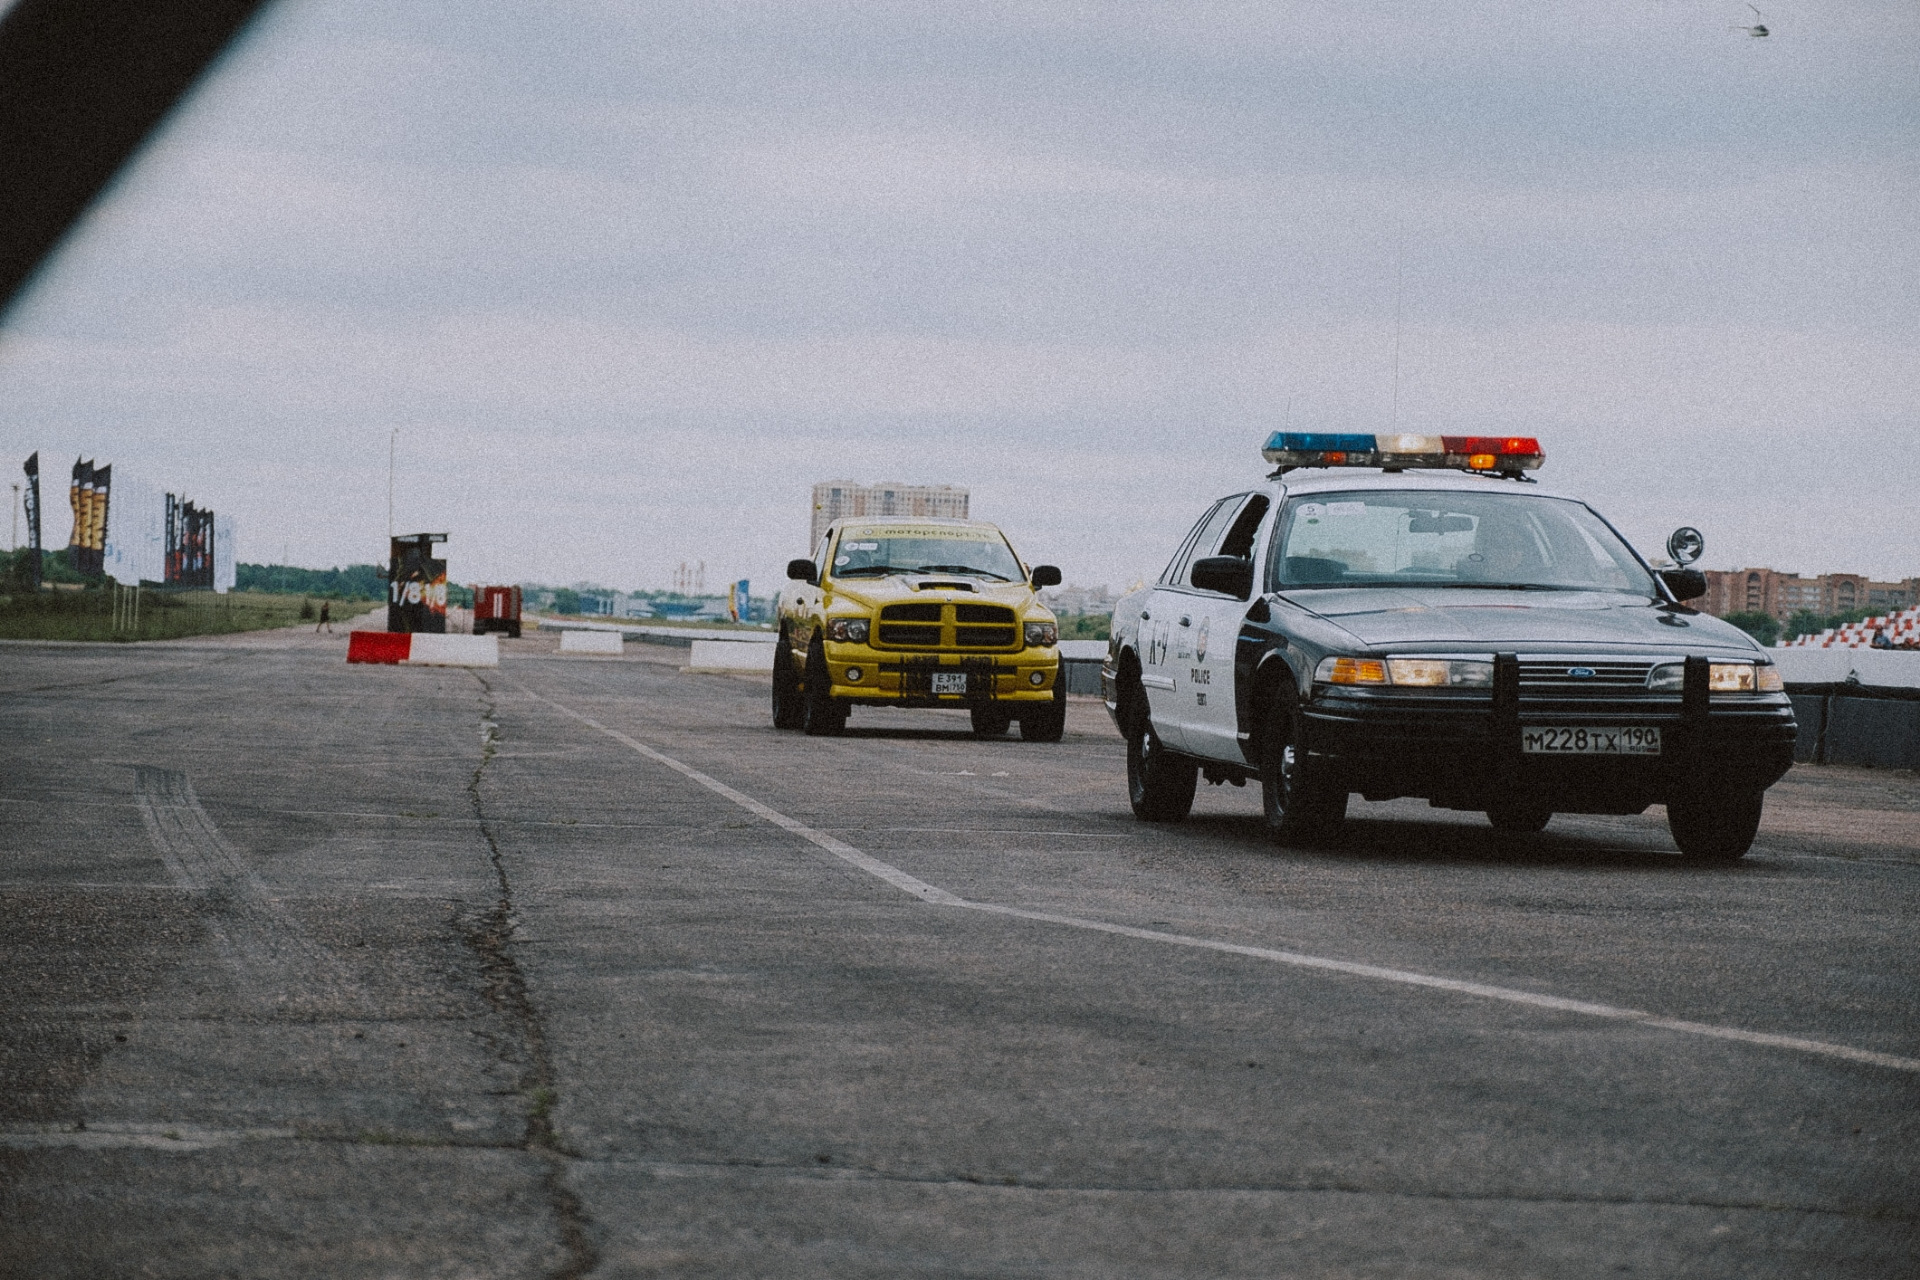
(1499, 619)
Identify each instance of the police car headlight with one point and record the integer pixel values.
(1440, 673)
(1412, 673)
(1042, 634)
(1351, 671)
(1730, 677)
(1722, 677)
(847, 630)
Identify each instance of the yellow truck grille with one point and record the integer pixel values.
(947, 626)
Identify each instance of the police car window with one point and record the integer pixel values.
(1239, 539)
(1451, 539)
(1209, 537)
(1171, 574)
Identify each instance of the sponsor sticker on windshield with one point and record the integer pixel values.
(1346, 508)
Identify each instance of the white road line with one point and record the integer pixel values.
(1403, 977)
(153, 1137)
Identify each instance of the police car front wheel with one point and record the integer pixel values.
(1712, 825)
(1298, 803)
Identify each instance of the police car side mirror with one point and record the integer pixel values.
(1229, 575)
(1046, 575)
(1686, 584)
(801, 571)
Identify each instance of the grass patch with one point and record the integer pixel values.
(94, 614)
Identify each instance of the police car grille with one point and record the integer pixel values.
(910, 613)
(909, 635)
(1607, 677)
(984, 637)
(983, 613)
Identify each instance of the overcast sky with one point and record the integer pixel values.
(629, 278)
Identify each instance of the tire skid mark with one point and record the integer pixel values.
(276, 963)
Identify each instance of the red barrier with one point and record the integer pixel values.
(379, 646)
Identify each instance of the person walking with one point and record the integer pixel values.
(326, 618)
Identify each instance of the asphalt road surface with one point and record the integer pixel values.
(578, 967)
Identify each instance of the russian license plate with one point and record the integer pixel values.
(1590, 742)
(949, 682)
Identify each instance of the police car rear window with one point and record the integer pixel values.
(1509, 540)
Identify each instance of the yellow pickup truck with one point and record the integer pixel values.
(918, 613)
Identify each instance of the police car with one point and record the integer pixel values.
(1406, 615)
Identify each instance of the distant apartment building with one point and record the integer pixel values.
(833, 499)
(1782, 595)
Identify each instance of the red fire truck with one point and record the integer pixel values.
(496, 609)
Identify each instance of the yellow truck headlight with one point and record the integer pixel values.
(1042, 634)
(847, 630)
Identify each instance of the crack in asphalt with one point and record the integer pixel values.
(491, 938)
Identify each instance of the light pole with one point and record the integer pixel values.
(393, 449)
(13, 543)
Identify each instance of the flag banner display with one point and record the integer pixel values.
(739, 602)
(89, 493)
(136, 549)
(189, 556)
(417, 585)
(33, 520)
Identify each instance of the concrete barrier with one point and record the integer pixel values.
(730, 655)
(422, 649)
(1879, 733)
(601, 642)
(429, 650)
(1875, 668)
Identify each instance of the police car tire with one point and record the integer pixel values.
(1299, 807)
(1714, 826)
(1160, 783)
(1519, 818)
(824, 718)
(1048, 723)
(991, 722)
(789, 712)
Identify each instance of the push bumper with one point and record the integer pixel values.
(1465, 755)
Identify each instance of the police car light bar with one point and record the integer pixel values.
(1494, 455)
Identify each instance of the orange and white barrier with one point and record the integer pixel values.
(423, 649)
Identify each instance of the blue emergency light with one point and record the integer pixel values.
(1493, 455)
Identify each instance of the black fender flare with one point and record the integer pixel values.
(1272, 666)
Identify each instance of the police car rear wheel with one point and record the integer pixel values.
(990, 722)
(825, 717)
(1714, 826)
(1298, 804)
(789, 712)
(1160, 784)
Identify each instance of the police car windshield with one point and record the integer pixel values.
(1505, 540)
(877, 554)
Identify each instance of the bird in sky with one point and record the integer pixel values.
(1759, 28)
